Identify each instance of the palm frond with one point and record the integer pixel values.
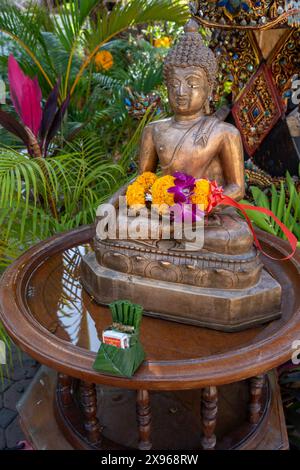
(70, 20)
(135, 12)
(25, 28)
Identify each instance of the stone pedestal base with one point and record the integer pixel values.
(219, 309)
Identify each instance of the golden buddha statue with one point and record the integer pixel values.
(222, 285)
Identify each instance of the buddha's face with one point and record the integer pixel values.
(188, 90)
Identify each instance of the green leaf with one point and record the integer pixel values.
(274, 199)
(281, 206)
(260, 198)
(262, 221)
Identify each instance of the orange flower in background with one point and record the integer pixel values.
(104, 60)
(162, 42)
(160, 193)
(201, 193)
(135, 195)
(146, 179)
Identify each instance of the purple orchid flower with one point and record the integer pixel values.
(184, 186)
(183, 210)
(186, 213)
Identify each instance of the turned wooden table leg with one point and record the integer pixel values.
(65, 389)
(88, 398)
(209, 411)
(256, 391)
(144, 419)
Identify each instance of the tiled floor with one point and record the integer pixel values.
(12, 386)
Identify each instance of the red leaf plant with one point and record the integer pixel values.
(38, 126)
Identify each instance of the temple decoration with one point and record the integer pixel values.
(284, 62)
(247, 35)
(239, 57)
(257, 110)
(294, 7)
(137, 104)
(246, 14)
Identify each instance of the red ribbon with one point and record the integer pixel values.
(228, 201)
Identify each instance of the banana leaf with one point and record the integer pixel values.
(121, 362)
(117, 361)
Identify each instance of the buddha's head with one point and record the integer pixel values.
(190, 71)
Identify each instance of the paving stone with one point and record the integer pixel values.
(2, 440)
(14, 434)
(20, 356)
(14, 393)
(6, 417)
(25, 358)
(32, 370)
(21, 371)
(12, 387)
(5, 384)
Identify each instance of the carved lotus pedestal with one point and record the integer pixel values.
(223, 286)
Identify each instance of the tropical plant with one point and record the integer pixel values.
(66, 43)
(134, 80)
(40, 197)
(286, 209)
(75, 36)
(38, 127)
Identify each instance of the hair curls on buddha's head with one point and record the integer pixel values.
(191, 51)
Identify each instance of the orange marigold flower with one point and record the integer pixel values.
(160, 193)
(135, 195)
(165, 41)
(146, 179)
(104, 60)
(201, 193)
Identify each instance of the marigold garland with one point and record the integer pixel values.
(160, 193)
(149, 188)
(201, 193)
(146, 179)
(184, 189)
(135, 195)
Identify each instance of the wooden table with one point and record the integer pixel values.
(198, 388)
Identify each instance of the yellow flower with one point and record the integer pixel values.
(104, 60)
(162, 42)
(146, 179)
(135, 195)
(160, 193)
(201, 193)
(166, 41)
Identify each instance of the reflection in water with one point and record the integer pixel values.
(72, 314)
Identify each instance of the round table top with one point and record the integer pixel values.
(49, 315)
